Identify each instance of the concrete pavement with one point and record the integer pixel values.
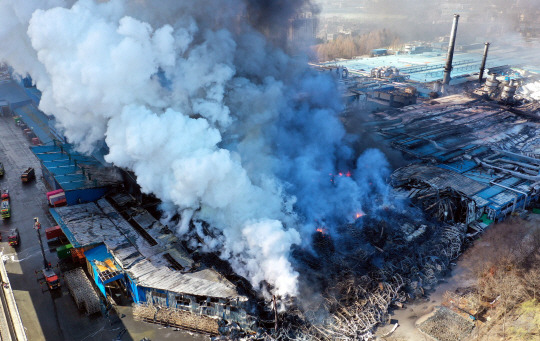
(50, 315)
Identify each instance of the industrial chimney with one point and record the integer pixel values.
(450, 56)
(483, 66)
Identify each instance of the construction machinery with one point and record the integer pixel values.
(50, 277)
(28, 175)
(13, 237)
(5, 207)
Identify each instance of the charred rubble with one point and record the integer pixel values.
(353, 277)
(476, 162)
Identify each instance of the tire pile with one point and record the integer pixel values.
(82, 291)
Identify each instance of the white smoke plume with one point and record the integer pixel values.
(217, 122)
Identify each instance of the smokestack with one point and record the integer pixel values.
(450, 56)
(483, 66)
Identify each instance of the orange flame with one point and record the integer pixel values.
(359, 215)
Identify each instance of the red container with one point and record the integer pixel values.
(53, 232)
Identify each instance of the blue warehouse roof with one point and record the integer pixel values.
(12, 93)
(69, 168)
(37, 121)
(424, 67)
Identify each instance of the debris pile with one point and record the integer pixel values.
(396, 256)
(466, 304)
(82, 291)
(359, 308)
(445, 325)
(442, 194)
(177, 318)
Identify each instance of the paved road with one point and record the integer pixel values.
(51, 315)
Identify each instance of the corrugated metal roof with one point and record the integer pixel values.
(202, 283)
(504, 198)
(480, 202)
(460, 166)
(427, 59)
(439, 178)
(11, 92)
(37, 121)
(66, 165)
(95, 223)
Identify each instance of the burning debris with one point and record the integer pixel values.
(440, 193)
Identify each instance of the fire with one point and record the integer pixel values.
(321, 230)
(359, 214)
(339, 174)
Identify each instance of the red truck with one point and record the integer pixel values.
(13, 237)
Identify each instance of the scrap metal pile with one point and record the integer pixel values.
(364, 270)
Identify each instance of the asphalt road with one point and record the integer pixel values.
(51, 315)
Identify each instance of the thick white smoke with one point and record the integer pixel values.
(531, 90)
(215, 121)
(101, 81)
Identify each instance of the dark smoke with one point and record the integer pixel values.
(212, 116)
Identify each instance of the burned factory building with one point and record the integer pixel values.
(260, 170)
(467, 174)
(129, 257)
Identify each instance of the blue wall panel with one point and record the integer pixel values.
(81, 196)
(50, 182)
(131, 285)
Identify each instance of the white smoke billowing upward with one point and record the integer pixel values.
(219, 124)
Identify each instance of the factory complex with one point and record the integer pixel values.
(471, 144)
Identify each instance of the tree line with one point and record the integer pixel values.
(349, 46)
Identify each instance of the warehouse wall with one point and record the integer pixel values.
(81, 196)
